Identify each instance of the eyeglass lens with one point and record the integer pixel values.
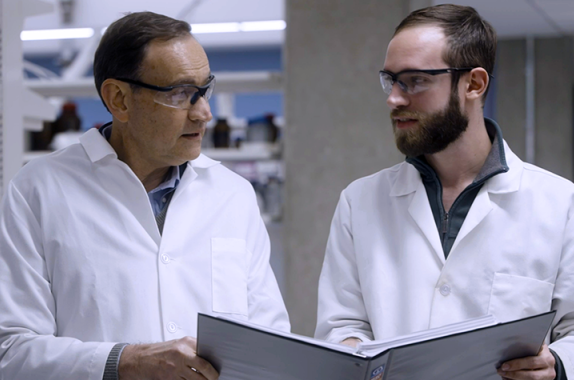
(184, 97)
(409, 82)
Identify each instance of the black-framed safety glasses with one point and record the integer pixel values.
(179, 96)
(414, 81)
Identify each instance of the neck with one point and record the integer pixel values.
(459, 164)
(151, 174)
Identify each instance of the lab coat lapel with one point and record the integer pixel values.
(422, 214)
(186, 201)
(406, 182)
(480, 208)
(202, 162)
(129, 190)
(120, 183)
(499, 184)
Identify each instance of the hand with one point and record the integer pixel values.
(539, 367)
(352, 342)
(172, 360)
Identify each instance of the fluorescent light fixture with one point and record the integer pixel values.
(223, 27)
(231, 27)
(257, 26)
(56, 34)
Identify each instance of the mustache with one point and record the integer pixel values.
(403, 114)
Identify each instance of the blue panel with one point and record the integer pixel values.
(252, 105)
(245, 60)
(92, 112)
(49, 62)
(213, 105)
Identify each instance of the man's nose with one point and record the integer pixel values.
(397, 98)
(200, 111)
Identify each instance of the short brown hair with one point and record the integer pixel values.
(123, 45)
(471, 40)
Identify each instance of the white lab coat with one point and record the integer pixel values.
(83, 266)
(385, 272)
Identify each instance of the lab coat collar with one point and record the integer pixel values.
(96, 145)
(407, 180)
(510, 181)
(97, 148)
(203, 162)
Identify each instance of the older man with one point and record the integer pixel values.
(126, 236)
(463, 228)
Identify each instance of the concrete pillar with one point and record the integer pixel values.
(554, 101)
(554, 80)
(338, 126)
(511, 96)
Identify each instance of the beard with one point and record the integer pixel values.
(434, 132)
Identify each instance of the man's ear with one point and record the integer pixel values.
(477, 83)
(116, 95)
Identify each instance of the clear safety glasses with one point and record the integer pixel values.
(413, 81)
(180, 96)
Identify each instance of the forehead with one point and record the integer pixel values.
(179, 60)
(419, 47)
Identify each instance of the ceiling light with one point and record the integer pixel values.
(223, 27)
(230, 27)
(56, 34)
(256, 26)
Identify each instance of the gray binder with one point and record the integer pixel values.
(241, 352)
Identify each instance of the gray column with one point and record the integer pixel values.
(511, 93)
(554, 80)
(338, 126)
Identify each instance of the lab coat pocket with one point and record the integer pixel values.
(229, 275)
(514, 297)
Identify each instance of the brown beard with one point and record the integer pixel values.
(434, 132)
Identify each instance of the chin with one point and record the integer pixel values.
(193, 155)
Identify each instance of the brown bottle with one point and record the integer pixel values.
(67, 121)
(220, 135)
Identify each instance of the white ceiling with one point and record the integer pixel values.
(98, 14)
(516, 18)
(511, 18)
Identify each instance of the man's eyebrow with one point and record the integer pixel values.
(189, 81)
(401, 71)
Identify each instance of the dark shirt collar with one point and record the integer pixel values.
(495, 161)
(106, 130)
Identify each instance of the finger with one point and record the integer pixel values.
(529, 363)
(546, 374)
(193, 374)
(203, 367)
(543, 360)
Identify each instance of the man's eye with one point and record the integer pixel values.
(418, 80)
(178, 95)
(179, 92)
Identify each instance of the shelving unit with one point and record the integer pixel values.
(21, 109)
(257, 152)
(227, 82)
